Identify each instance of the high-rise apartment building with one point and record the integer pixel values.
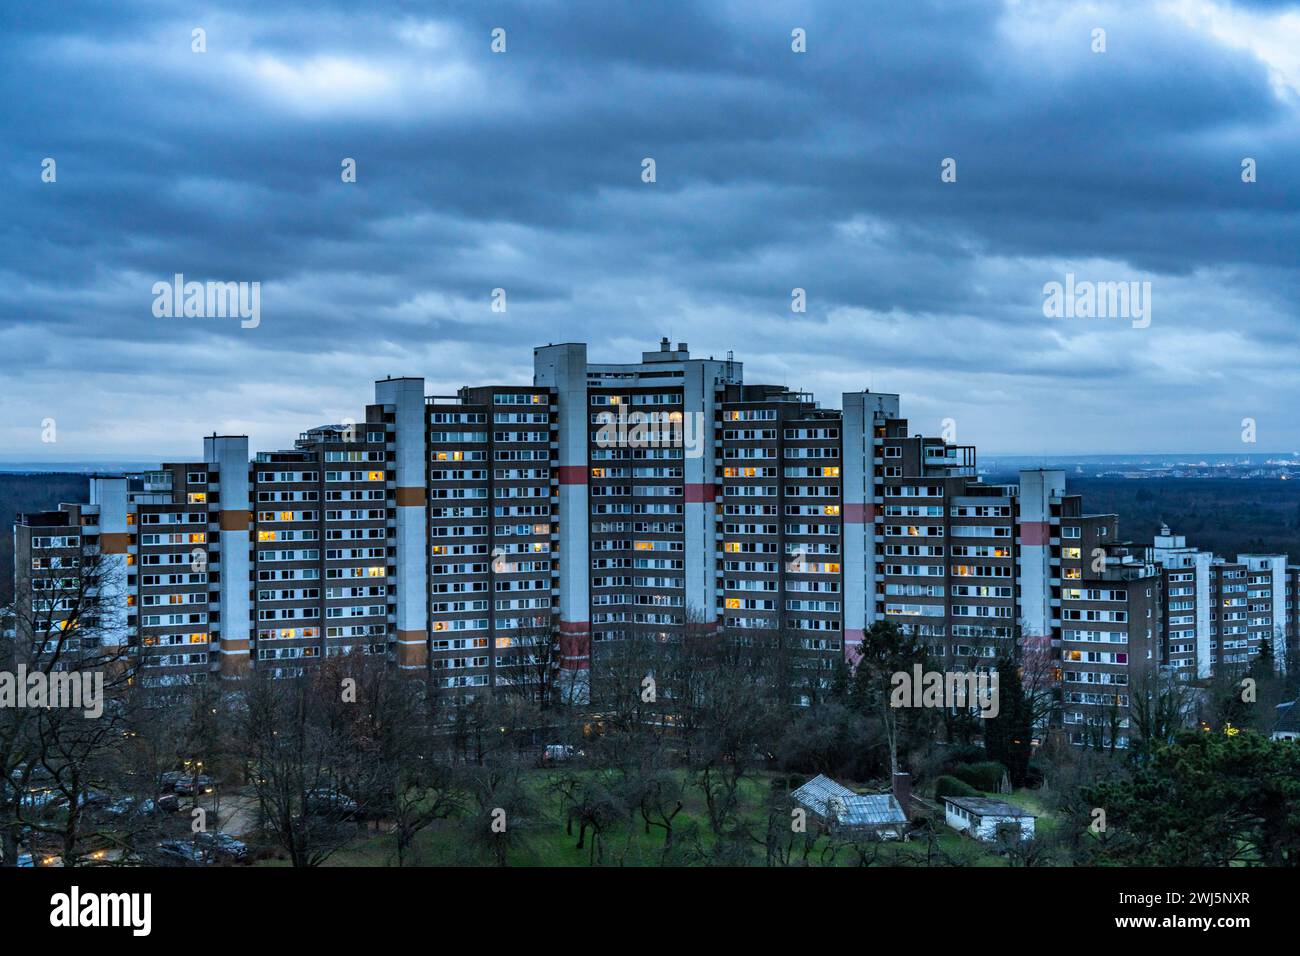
(505, 533)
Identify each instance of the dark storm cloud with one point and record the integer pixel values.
(775, 170)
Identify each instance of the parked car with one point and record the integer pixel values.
(325, 801)
(203, 850)
(181, 853)
(186, 786)
(85, 799)
(38, 799)
(126, 806)
(222, 846)
(559, 753)
(168, 802)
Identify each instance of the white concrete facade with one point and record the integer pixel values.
(228, 456)
(109, 496)
(563, 368)
(862, 412)
(1275, 566)
(1038, 487)
(404, 397)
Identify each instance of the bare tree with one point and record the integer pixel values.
(530, 664)
(53, 758)
(298, 748)
(501, 808)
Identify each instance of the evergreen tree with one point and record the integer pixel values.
(1008, 737)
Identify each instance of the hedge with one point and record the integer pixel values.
(947, 786)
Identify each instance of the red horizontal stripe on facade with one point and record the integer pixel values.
(1034, 533)
(575, 650)
(853, 640)
(859, 514)
(573, 474)
(699, 492)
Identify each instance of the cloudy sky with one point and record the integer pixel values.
(775, 170)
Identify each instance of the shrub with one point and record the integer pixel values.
(952, 787)
(1034, 775)
(962, 754)
(986, 775)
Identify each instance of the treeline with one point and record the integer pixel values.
(728, 725)
(1226, 516)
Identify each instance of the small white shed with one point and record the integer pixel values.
(1288, 722)
(981, 817)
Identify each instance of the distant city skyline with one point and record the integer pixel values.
(781, 179)
(146, 462)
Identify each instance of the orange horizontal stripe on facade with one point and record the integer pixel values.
(236, 520)
(410, 497)
(410, 655)
(114, 542)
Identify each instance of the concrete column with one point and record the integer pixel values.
(405, 398)
(1037, 488)
(564, 369)
(110, 495)
(228, 456)
(1204, 659)
(699, 473)
(862, 411)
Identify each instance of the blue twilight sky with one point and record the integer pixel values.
(775, 170)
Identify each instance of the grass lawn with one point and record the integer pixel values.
(547, 844)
